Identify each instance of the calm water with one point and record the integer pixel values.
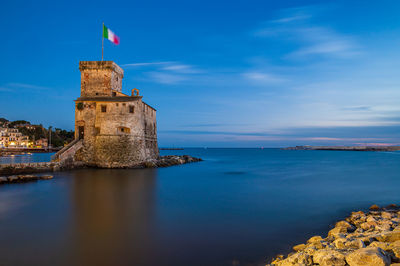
(238, 207)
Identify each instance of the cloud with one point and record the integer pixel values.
(312, 39)
(19, 86)
(181, 68)
(165, 78)
(261, 77)
(145, 64)
(357, 108)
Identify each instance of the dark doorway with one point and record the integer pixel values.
(81, 132)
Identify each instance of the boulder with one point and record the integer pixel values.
(383, 245)
(314, 239)
(3, 179)
(374, 208)
(368, 256)
(46, 177)
(329, 257)
(343, 243)
(386, 215)
(391, 236)
(299, 247)
(12, 178)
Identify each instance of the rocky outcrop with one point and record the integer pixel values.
(371, 238)
(170, 160)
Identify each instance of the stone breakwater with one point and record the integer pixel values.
(23, 178)
(29, 168)
(371, 238)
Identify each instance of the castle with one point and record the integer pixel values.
(112, 129)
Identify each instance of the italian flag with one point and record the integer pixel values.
(108, 34)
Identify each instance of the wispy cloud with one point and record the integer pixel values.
(166, 72)
(165, 78)
(145, 64)
(311, 38)
(263, 78)
(19, 86)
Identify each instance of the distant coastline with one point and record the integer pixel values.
(345, 148)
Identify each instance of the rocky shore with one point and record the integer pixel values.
(371, 238)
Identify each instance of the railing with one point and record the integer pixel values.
(57, 155)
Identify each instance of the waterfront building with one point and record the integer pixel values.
(42, 143)
(12, 138)
(112, 129)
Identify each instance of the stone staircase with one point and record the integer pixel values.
(66, 154)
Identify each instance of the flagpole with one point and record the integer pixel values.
(102, 42)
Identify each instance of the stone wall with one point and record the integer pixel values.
(99, 78)
(27, 168)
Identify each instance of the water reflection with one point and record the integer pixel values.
(112, 213)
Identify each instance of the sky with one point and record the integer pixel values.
(219, 73)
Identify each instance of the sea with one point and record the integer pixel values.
(237, 207)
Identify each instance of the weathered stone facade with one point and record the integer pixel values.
(118, 130)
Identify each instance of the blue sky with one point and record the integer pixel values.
(220, 73)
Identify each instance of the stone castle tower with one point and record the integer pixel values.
(117, 130)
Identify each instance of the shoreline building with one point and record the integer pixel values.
(112, 129)
(12, 138)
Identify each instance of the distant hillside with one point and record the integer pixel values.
(59, 137)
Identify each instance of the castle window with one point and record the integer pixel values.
(103, 108)
(114, 94)
(125, 130)
(131, 109)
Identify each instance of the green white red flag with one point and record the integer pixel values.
(108, 34)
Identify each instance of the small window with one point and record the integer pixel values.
(114, 94)
(124, 104)
(116, 104)
(103, 108)
(131, 109)
(96, 130)
(97, 93)
(125, 130)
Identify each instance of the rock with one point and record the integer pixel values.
(314, 239)
(386, 215)
(3, 179)
(374, 208)
(299, 247)
(368, 225)
(12, 178)
(46, 177)
(395, 244)
(389, 236)
(329, 257)
(368, 256)
(395, 254)
(383, 245)
(337, 231)
(346, 225)
(342, 243)
(299, 258)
